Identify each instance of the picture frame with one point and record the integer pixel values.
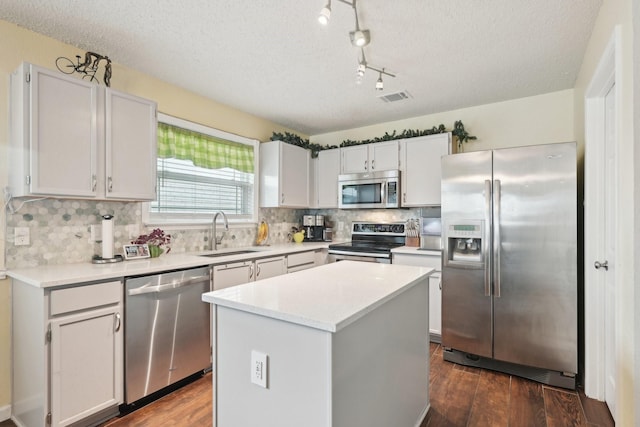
(136, 251)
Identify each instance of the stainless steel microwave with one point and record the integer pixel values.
(379, 189)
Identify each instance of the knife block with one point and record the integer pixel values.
(412, 241)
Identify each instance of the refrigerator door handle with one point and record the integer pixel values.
(487, 238)
(496, 235)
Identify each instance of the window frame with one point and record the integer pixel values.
(198, 220)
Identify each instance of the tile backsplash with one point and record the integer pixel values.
(60, 230)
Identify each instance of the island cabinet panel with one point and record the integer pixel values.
(372, 371)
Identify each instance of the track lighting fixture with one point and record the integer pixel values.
(359, 38)
(325, 14)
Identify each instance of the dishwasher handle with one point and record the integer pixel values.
(175, 284)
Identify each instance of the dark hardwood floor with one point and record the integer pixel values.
(460, 396)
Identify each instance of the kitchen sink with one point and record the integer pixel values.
(219, 254)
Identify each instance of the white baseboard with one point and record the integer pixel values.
(5, 412)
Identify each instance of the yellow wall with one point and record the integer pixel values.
(526, 121)
(618, 13)
(18, 45)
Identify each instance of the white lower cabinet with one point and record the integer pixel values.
(74, 374)
(86, 364)
(301, 261)
(435, 287)
(232, 274)
(270, 267)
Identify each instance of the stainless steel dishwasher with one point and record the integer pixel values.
(166, 330)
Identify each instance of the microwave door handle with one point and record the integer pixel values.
(383, 195)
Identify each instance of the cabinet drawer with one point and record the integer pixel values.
(84, 297)
(301, 258)
(418, 260)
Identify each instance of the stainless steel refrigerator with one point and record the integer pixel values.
(509, 265)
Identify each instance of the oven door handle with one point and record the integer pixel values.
(369, 254)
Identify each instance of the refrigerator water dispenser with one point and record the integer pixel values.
(465, 244)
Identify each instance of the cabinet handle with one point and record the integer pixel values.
(118, 322)
(257, 270)
(250, 272)
(373, 164)
(365, 165)
(440, 284)
(110, 184)
(282, 198)
(94, 182)
(404, 197)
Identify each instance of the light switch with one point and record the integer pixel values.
(259, 368)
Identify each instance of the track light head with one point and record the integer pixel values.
(325, 14)
(360, 38)
(379, 83)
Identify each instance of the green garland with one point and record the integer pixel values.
(290, 138)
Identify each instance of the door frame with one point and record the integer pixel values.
(606, 75)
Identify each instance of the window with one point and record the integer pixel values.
(201, 171)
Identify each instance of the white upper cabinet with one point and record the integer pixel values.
(327, 171)
(379, 156)
(130, 147)
(420, 170)
(71, 138)
(284, 175)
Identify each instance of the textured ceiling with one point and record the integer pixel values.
(274, 60)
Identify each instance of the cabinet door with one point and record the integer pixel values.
(130, 147)
(355, 159)
(227, 275)
(328, 169)
(86, 356)
(294, 176)
(435, 307)
(270, 267)
(383, 156)
(63, 130)
(421, 169)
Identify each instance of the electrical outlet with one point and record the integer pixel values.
(21, 236)
(259, 368)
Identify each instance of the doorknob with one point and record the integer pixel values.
(598, 265)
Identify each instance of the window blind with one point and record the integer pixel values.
(201, 174)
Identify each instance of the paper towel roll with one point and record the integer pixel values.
(107, 236)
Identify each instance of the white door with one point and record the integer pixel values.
(383, 156)
(294, 176)
(328, 170)
(131, 129)
(63, 134)
(270, 267)
(600, 225)
(608, 228)
(354, 159)
(86, 364)
(227, 275)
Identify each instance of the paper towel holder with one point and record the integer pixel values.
(107, 242)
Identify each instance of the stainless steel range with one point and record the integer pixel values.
(370, 242)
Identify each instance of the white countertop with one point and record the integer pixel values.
(47, 276)
(412, 250)
(328, 297)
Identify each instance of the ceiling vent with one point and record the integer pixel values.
(396, 96)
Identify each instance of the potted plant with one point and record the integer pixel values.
(155, 240)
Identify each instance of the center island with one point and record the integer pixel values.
(344, 344)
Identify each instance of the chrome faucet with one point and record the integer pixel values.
(214, 239)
